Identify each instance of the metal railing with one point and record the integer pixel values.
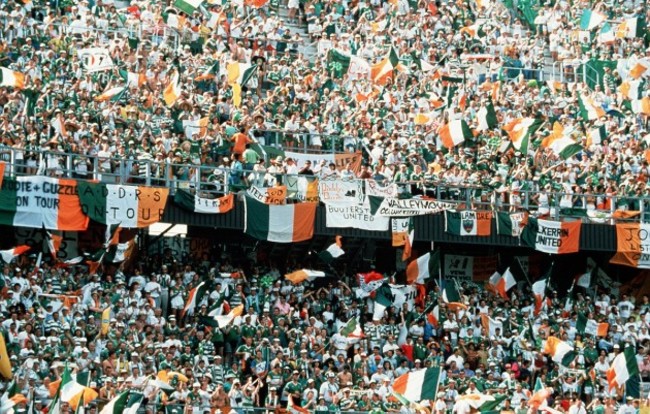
(214, 180)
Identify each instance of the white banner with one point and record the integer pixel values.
(374, 189)
(341, 193)
(404, 294)
(315, 159)
(96, 59)
(257, 193)
(393, 207)
(356, 217)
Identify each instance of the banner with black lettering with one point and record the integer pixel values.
(341, 192)
(393, 207)
(356, 217)
(374, 189)
(269, 195)
(404, 294)
(632, 245)
(555, 237)
(474, 268)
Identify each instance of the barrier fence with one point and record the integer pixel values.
(213, 181)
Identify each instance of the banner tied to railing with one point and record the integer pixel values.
(632, 245)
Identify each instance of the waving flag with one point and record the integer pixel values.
(418, 385)
(588, 109)
(194, 298)
(454, 133)
(539, 291)
(9, 255)
(491, 325)
(12, 78)
(591, 19)
(421, 269)
(561, 143)
(188, 6)
(584, 325)
(382, 71)
(559, 351)
(133, 79)
(209, 73)
(112, 94)
(225, 320)
(352, 329)
(486, 117)
(451, 296)
(383, 299)
(300, 276)
(173, 90)
(368, 283)
(5, 362)
(520, 131)
(117, 405)
(623, 368)
(334, 251)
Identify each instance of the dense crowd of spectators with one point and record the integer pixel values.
(288, 341)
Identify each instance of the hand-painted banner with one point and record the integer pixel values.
(96, 59)
(555, 237)
(356, 217)
(302, 188)
(511, 224)
(341, 192)
(632, 245)
(128, 206)
(400, 230)
(340, 160)
(393, 207)
(403, 294)
(269, 195)
(39, 202)
(374, 189)
(476, 268)
(468, 223)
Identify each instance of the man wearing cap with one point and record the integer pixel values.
(329, 388)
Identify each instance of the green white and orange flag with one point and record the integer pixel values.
(12, 78)
(128, 206)
(418, 385)
(554, 237)
(561, 143)
(111, 94)
(589, 110)
(454, 133)
(300, 276)
(521, 130)
(382, 71)
(173, 90)
(559, 351)
(42, 202)
(632, 244)
(623, 367)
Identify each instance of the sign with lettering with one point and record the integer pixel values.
(403, 294)
(39, 202)
(34, 237)
(341, 192)
(96, 59)
(632, 245)
(340, 160)
(555, 237)
(393, 207)
(269, 195)
(469, 268)
(356, 217)
(374, 189)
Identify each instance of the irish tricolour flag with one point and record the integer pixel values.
(194, 298)
(128, 206)
(520, 130)
(591, 19)
(418, 385)
(41, 202)
(559, 351)
(198, 204)
(421, 269)
(300, 276)
(589, 110)
(12, 78)
(279, 223)
(188, 6)
(11, 254)
(555, 237)
(454, 133)
(623, 368)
